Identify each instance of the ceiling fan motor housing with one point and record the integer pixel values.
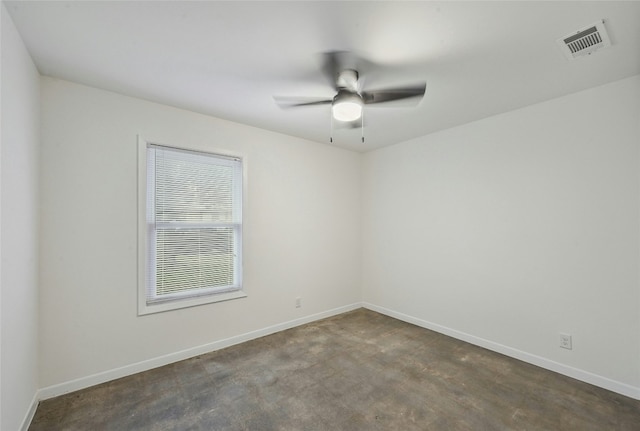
(348, 79)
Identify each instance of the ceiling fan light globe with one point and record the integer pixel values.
(347, 107)
(347, 111)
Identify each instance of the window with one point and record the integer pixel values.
(192, 228)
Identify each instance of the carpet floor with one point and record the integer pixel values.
(356, 371)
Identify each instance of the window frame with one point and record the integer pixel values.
(145, 237)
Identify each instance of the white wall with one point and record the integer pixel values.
(18, 229)
(509, 230)
(301, 234)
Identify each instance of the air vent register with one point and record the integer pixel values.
(585, 41)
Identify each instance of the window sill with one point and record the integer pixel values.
(159, 307)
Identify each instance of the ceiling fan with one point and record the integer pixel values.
(341, 69)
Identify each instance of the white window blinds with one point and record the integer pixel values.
(194, 222)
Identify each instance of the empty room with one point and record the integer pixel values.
(320, 215)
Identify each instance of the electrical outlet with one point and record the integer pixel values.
(565, 341)
(298, 302)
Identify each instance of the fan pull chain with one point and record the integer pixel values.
(362, 126)
(331, 131)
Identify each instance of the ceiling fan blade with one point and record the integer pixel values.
(391, 94)
(289, 102)
(333, 62)
(355, 124)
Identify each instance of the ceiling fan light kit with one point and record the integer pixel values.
(347, 106)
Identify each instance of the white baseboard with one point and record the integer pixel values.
(578, 374)
(30, 413)
(127, 370)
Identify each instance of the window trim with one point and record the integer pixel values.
(145, 307)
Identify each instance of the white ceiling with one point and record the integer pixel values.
(228, 59)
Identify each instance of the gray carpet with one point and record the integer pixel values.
(357, 371)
